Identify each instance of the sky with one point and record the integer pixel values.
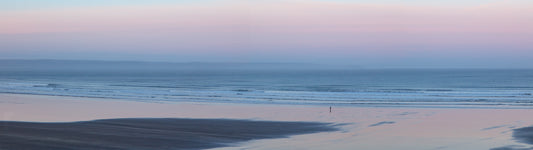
(364, 33)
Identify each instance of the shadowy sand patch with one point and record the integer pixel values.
(522, 135)
(147, 133)
(382, 123)
(493, 127)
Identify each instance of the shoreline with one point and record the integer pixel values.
(413, 105)
(362, 127)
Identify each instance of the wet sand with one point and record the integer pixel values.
(146, 133)
(522, 135)
(371, 128)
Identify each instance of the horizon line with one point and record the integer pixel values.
(333, 66)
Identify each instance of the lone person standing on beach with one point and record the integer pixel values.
(329, 108)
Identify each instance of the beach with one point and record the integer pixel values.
(358, 127)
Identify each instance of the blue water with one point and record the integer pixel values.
(352, 87)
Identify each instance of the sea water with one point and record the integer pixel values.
(270, 84)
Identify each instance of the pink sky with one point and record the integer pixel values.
(336, 32)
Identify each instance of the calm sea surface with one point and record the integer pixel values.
(357, 87)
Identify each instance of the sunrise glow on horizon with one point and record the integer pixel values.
(382, 33)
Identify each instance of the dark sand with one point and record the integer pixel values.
(146, 133)
(522, 135)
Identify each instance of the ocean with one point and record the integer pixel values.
(298, 84)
